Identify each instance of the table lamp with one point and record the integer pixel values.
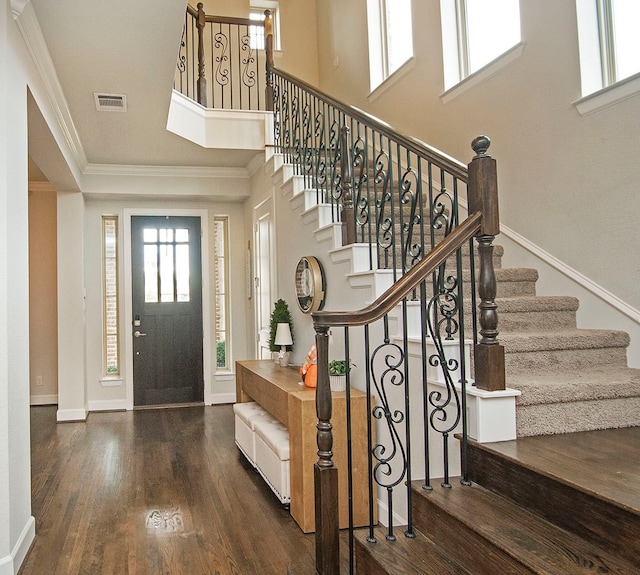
(283, 339)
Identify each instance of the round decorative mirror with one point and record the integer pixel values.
(310, 284)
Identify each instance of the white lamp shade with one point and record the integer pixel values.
(283, 335)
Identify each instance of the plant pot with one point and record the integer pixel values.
(338, 382)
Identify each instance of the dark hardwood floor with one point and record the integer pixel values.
(153, 492)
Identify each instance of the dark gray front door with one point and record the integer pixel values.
(167, 310)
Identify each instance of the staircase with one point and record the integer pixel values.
(570, 379)
(518, 516)
(559, 505)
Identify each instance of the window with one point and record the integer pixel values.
(475, 33)
(111, 356)
(256, 12)
(221, 271)
(166, 265)
(609, 42)
(390, 37)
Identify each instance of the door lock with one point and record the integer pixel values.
(137, 333)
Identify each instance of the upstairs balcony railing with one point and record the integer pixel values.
(222, 63)
(421, 217)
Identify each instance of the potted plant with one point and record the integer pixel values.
(280, 314)
(337, 373)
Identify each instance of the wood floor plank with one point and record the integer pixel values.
(153, 492)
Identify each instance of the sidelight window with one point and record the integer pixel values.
(111, 344)
(166, 265)
(221, 271)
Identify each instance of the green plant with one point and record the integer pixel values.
(280, 314)
(340, 366)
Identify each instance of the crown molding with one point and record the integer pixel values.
(36, 186)
(30, 29)
(165, 171)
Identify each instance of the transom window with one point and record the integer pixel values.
(476, 32)
(390, 37)
(166, 265)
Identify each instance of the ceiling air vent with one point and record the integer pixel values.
(110, 102)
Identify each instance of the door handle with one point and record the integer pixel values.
(137, 333)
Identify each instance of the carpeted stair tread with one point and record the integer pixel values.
(404, 556)
(564, 340)
(491, 534)
(574, 386)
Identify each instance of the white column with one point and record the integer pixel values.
(72, 391)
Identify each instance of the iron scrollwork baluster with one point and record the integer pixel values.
(412, 250)
(384, 221)
(442, 313)
(391, 462)
(221, 43)
(361, 201)
(248, 75)
(335, 156)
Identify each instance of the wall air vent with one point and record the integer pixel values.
(110, 102)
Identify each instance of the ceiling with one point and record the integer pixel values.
(120, 47)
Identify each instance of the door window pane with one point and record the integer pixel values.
(151, 273)
(166, 265)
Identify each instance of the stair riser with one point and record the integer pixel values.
(515, 322)
(578, 512)
(463, 545)
(587, 415)
(555, 361)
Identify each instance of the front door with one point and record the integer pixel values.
(167, 310)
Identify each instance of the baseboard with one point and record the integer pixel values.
(10, 564)
(51, 399)
(71, 415)
(108, 405)
(220, 398)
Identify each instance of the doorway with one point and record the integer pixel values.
(166, 305)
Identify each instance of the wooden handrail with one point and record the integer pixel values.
(224, 19)
(451, 165)
(407, 283)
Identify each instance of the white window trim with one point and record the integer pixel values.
(393, 79)
(608, 96)
(485, 73)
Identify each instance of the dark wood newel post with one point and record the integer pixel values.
(268, 46)
(202, 81)
(325, 473)
(482, 190)
(346, 178)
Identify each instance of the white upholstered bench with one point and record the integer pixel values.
(272, 456)
(264, 441)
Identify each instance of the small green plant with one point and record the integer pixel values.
(340, 366)
(280, 314)
(221, 354)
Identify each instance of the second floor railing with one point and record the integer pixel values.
(222, 62)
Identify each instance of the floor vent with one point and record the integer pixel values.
(110, 102)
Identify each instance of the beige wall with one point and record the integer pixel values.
(568, 183)
(43, 296)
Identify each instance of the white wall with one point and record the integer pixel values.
(16, 523)
(567, 183)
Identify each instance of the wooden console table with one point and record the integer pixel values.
(279, 391)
